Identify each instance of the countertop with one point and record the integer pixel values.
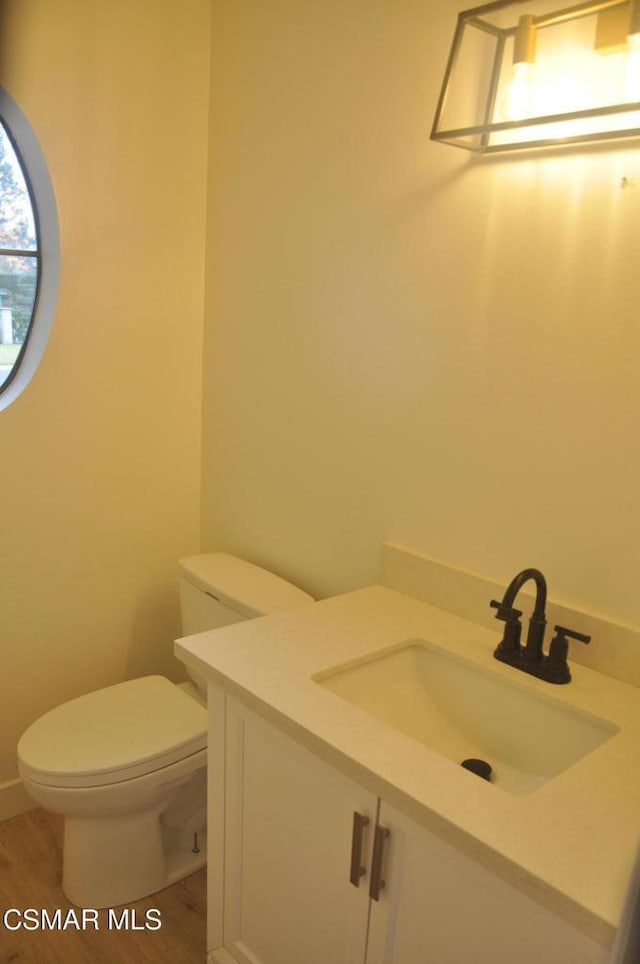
(570, 844)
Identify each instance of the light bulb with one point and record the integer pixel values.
(631, 73)
(515, 103)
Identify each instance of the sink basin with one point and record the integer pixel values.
(463, 710)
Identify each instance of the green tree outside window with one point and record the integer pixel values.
(19, 258)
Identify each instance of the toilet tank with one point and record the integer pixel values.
(217, 590)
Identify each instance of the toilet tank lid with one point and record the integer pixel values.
(246, 588)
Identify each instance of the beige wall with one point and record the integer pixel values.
(403, 342)
(101, 453)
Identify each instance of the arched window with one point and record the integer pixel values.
(29, 254)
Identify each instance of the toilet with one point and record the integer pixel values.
(126, 765)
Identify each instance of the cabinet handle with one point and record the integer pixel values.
(357, 870)
(377, 883)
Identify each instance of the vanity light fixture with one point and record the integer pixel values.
(525, 73)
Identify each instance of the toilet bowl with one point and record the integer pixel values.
(111, 763)
(126, 765)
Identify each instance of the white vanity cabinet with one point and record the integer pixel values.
(440, 907)
(290, 851)
(287, 896)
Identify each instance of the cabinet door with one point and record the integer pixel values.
(289, 832)
(439, 907)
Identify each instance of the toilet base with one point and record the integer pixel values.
(128, 840)
(108, 862)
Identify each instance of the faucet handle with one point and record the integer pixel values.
(572, 634)
(557, 668)
(509, 647)
(505, 613)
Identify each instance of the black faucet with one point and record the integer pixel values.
(530, 658)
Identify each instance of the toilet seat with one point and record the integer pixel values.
(113, 734)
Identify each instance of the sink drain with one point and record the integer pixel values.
(480, 767)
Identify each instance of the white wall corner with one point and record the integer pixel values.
(14, 799)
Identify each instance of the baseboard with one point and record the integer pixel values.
(14, 799)
(220, 956)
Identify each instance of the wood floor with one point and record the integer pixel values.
(30, 873)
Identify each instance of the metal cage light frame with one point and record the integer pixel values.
(581, 62)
